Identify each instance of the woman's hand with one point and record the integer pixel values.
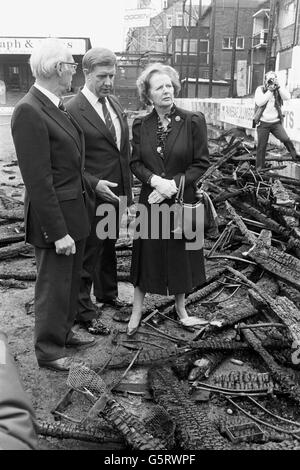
(165, 187)
(155, 197)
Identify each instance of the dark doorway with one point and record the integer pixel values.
(12, 77)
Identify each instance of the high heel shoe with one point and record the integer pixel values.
(190, 321)
(131, 331)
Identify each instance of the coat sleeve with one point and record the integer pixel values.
(17, 420)
(137, 165)
(200, 161)
(31, 140)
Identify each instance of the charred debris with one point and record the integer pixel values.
(231, 382)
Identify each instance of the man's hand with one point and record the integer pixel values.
(165, 187)
(65, 246)
(102, 190)
(155, 197)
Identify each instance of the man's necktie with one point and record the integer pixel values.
(62, 107)
(108, 120)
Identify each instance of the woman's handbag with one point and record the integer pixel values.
(189, 218)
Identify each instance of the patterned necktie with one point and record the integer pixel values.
(62, 107)
(108, 120)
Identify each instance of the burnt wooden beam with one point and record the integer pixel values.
(269, 223)
(219, 163)
(282, 307)
(12, 214)
(288, 313)
(14, 250)
(278, 263)
(24, 274)
(250, 238)
(279, 373)
(12, 284)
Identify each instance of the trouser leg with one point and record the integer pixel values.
(105, 274)
(92, 249)
(279, 132)
(263, 131)
(54, 300)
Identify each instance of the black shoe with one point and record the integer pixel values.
(115, 302)
(123, 314)
(62, 365)
(96, 327)
(80, 339)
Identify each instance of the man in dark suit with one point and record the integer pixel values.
(107, 150)
(50, 152)
(17, 420)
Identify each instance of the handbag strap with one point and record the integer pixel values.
(179, 195)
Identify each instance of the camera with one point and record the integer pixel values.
(271, 81)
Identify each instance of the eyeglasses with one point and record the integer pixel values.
(74, 64)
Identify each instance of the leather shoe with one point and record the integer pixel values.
(95, 327)
(80, 339)
(62, 365)
(123, 315)
(115, 302)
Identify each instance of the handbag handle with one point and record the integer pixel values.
(179, 195)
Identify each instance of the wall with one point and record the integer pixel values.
(238, 112)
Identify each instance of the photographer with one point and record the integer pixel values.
(269, 99)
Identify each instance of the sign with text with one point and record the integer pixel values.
(138, 17)
(16, 45)
(237, 113)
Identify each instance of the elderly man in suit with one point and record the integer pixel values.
(50, 151)
(107, 150)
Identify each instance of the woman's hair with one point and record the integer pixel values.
(46, 55)
(98, 56)
(143, 82)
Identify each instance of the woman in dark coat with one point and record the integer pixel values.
(167, 143)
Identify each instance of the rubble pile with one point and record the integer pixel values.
(231, 382)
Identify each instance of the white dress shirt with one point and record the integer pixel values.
(93, 100)
(55, 99)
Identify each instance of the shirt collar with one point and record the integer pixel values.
(52, 97)
(93, 99)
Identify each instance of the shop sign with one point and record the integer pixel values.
(16, 45)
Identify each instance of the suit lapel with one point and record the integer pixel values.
(177, 122)
(57, 115)
(93, 118)
(151, 127)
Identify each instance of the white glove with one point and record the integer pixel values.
(165, 187)
(155, 197)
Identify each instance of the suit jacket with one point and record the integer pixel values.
(186, 151)
(103, 158)
(16, 413)
(50, 152)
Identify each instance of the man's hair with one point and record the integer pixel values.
(270, 74)
(143, 82)
(46, 55)
(98, 56)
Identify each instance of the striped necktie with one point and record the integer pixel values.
(108, 120)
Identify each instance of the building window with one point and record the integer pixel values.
(228, 43)
(169, 21)
(287, 15)
(205, 74)
(179, 19)
(203, 49)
